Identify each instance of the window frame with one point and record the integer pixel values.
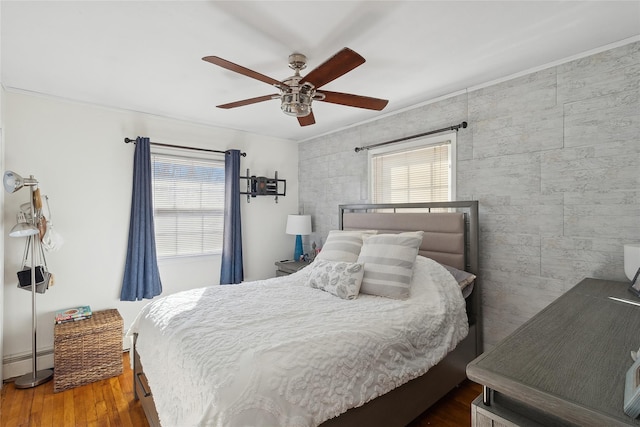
(417, 143)
(184, 153)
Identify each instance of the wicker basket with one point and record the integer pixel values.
(87, 350)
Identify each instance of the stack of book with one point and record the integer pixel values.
(73, 314)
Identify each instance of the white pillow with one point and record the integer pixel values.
(341, 279)
(388, 263)
(343, 245)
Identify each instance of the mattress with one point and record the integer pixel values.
(278, 352)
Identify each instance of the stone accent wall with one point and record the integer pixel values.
(553, 157)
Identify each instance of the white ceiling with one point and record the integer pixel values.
(146, 55)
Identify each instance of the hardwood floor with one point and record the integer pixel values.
(453, 410)
(111, 403)
(108, 402)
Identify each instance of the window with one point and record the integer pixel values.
(188, 204)
(417, 171)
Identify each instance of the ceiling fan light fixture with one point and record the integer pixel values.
(297, 101)
(296, 93)
(296, 104)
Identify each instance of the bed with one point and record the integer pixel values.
(351, 362)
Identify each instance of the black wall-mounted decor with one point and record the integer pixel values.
(263, 186)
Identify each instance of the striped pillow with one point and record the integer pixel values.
(388, 264)
(343, 245)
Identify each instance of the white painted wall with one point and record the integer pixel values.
(1, 227)
(77, 153)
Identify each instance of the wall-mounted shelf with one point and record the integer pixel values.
(263, 186)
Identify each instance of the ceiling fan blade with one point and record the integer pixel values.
(244, 71)
(307, 120)
(334, 67)
(249, 101)
(354, 100)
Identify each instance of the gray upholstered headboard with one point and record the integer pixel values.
(450, 237)
(443, 238)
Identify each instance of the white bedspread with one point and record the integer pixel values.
(277, 352)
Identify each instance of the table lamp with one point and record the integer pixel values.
(298, 225)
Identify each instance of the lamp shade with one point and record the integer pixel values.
(12, 182)
(298, 224)
(23, 229)
(631, 260)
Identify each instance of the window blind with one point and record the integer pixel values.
(412, 175)
(188, 198)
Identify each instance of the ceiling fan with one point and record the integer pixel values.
(297, 92)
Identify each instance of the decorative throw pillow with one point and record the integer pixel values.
(388, 263)
(341, 279)
(343, 245)
(464, 278)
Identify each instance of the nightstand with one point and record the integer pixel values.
(287, 267)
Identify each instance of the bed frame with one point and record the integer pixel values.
(451, 237)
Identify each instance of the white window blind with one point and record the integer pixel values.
(413, 174)
(188, 199)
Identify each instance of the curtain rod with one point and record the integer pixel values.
(128, 140)
(456, 127)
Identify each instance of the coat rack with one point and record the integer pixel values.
(13, 182)
(263, 186)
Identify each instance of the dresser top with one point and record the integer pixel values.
(571, 358)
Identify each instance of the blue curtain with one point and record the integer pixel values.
(231, 269)
(141, 275)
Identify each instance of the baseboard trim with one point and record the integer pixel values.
(20, 364)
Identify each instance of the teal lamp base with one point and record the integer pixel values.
(297, 253)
